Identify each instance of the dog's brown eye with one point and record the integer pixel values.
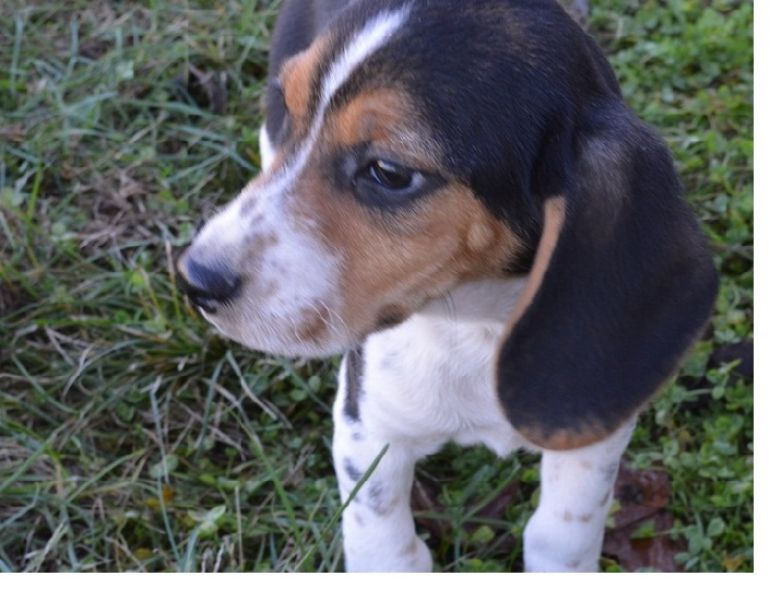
(389, 185)
(390, 175)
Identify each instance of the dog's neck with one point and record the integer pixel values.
(486, 302)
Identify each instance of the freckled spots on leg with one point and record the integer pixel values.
(605, 499)
(375, 493)
(572, 565)
(587, 465)
(358, 519)
(568, 516)
(357, 436)
(609, 472)
(376, 497)
(585, 518)
(351, 470)
(382, 510)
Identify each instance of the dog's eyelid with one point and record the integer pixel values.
(391, 175)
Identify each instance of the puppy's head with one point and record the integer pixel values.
(363, 216)
(423, 144)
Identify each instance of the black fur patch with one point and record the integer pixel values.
(354, 373)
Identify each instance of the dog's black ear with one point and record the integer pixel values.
(622, 285)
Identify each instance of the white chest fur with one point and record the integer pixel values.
(432, 379)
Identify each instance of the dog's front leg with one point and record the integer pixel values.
(377, 525)
(567, 530)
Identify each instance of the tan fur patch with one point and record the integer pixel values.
(480, 236)
(297, 76)
(392, 262)
(371, 116)
(403, 259)
(554, 213)
(385, 117)
(314, 323)
(565, 439)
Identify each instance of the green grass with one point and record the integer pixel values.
(134, 439)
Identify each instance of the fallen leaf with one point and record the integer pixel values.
(733, 563)
(639, 537)
(657, 552)
(640, 494)
(496, 507)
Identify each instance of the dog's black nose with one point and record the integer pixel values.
(207, 286)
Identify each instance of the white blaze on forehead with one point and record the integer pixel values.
(366, 42)
(231, 224)
(262, 209)
(291, 278)
(372, 37)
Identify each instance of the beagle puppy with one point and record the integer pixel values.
(455, 195)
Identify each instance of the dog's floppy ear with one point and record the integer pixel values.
(622, 285)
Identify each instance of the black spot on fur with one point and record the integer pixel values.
(351, 470)
(354, 372)
(377, 501)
